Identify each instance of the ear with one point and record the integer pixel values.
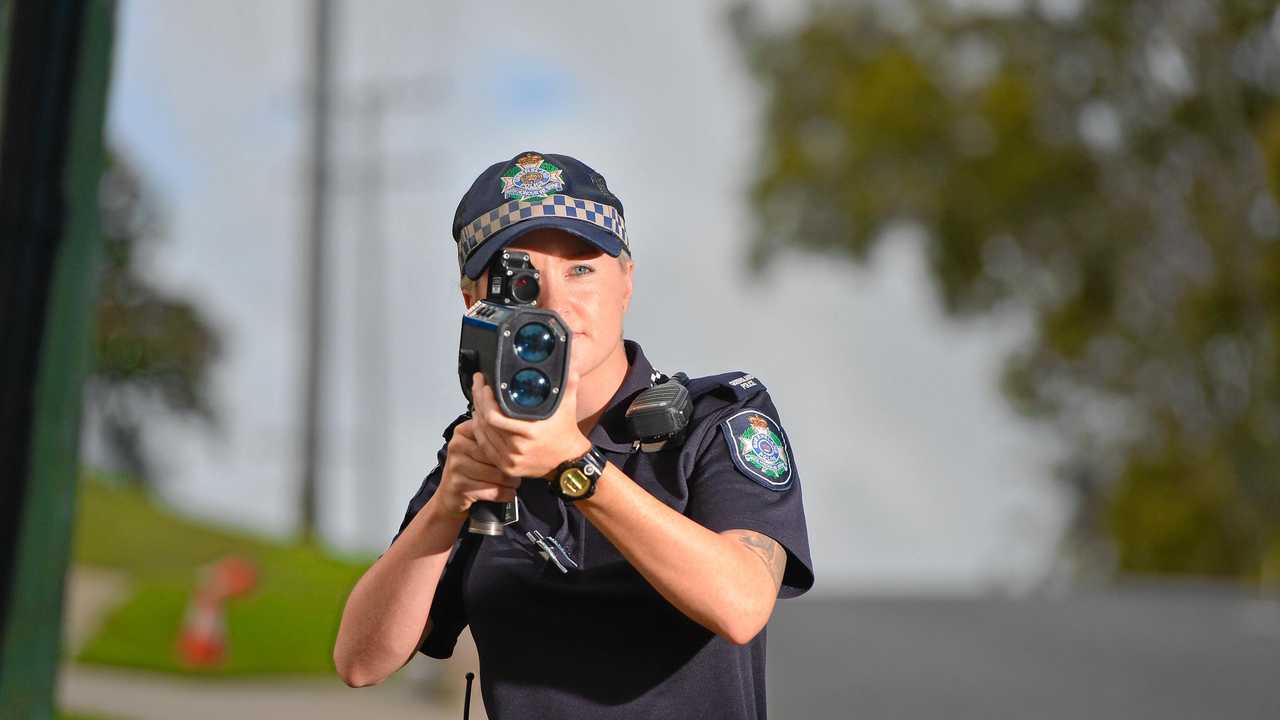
(626, 279)
(481, 282)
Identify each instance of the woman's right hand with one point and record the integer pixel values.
(468, 477)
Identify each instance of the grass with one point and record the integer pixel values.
(285, 626)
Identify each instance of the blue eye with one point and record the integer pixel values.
(581, 270)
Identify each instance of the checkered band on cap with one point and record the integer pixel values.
(504, 216)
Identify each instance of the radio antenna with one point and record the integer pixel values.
(466, 703)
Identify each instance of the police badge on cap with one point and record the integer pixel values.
(535, 190)
(532, 178)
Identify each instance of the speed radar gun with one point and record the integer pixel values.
(523, 351)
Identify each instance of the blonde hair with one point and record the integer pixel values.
(470, 287)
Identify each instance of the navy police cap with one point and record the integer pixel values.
(535, 190)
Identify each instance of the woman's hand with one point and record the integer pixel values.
(527, 448)
(469, 476)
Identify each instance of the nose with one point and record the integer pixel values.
(553, 297)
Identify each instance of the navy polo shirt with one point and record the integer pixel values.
(595, 639)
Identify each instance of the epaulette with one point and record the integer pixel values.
(732, 386)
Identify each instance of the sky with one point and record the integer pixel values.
(916, 475)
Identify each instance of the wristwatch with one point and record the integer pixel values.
(576, 479)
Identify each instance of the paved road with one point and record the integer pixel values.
(1141, 652)
(152, 696)
(132, 695)
(1167, 652)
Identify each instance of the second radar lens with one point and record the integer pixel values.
(534, 342)
(529, 388)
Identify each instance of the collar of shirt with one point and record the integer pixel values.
(610, 433)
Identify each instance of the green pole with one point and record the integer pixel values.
(57, 70)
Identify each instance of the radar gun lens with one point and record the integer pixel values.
(534, 342)
(529, 388)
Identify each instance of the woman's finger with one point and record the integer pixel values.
(481, 433)
(480, 396)
(482, 472)
(512, 426)
(500, 494)
(466, 429)
(479, 490)
(486, 406)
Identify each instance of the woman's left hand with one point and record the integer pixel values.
(527, 448)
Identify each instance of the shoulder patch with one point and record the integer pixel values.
(759, 448)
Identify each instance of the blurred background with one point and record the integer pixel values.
(1010, 270)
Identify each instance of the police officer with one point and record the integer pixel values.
(648, 595)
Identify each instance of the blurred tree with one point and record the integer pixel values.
(1112, 167)
(150, 351)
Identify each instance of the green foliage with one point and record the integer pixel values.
(287, 625)
(1181, 514)
(1115, 172)
(150, 350)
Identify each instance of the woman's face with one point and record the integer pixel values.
(590, 290)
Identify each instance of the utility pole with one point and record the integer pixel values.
(373, 420)
(371, 103)
(316, 242)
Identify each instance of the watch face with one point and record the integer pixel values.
(573, 483)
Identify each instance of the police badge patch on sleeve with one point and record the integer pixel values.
(758, 449)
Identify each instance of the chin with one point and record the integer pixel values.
(582, 356)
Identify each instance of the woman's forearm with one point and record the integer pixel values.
(386, 613)
(712, 578)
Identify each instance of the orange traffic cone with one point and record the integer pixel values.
(202, 642)
(232, 577)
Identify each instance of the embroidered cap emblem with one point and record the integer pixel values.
(531, 178)
(758, 448)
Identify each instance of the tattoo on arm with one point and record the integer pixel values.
(765, 548)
